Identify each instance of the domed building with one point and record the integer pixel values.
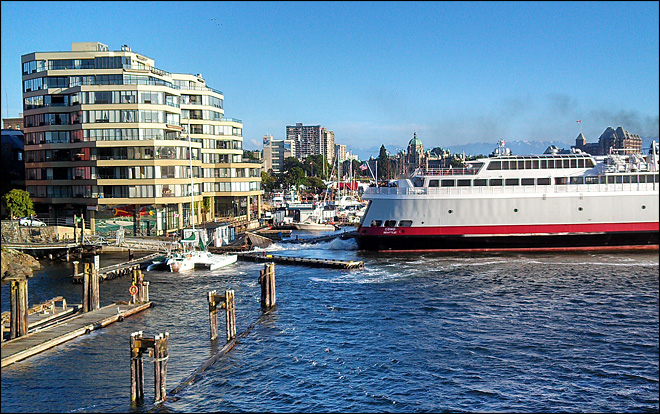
(415, 156)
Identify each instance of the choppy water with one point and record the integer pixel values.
(409, 333)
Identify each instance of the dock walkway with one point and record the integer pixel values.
(336, 264)
(42, 339)
(120, 269)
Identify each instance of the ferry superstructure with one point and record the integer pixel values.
(552, 201)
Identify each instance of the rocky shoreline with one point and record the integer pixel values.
(17, 264)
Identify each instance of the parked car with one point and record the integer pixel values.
(27, 221)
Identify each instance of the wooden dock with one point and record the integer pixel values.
(42, 339)
(41, 315)
(120, 269)
(304, 261)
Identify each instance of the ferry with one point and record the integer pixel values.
(548, 202)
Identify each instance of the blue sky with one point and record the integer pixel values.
(375, 72)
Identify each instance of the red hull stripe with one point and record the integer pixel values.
(510, 229)
(532, 249)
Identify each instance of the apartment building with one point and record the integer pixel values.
(312, 140)
(275, 152)
(110, 136)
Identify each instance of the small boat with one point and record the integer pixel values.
(159, 263)
(196, 259)
(313, 226)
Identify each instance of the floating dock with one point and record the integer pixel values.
(42, 339)
(304, 261)
(121, 269)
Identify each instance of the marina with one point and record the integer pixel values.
(518, 326)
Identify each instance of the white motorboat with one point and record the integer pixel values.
(196, 259)
(313, 226)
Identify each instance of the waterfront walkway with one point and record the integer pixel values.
(42, 339)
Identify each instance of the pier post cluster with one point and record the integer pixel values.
(267, 282)
(226, 302)
(139, 293)
(156, 348)
(139, 344)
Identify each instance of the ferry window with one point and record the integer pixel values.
(495, 165)
(390, 223)
(615, 179)
(603, 179)
(656, 178)
(633, 179)
(521, 164)
(405, 223)
(495, 182)
(463, 183)
(535, 164)
(376, 223)
(434, 183)
(577, 180)
(589, 163)
(528, 164)
(505, 165)
(626, 179)
(580, 163)
(512, 181)
(527, 181)
(479, 182)
(448, 183)
(574, 163)
(418, 182)
(561, 180)
(544, 164)
(567, 163)
(591, 179)
(543, 181)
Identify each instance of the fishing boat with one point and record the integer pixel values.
(553, 201)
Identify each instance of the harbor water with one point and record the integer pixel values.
(408, 333)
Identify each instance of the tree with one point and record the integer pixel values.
(18, 202)
(315, 184)
(383, 164)
(267, 181)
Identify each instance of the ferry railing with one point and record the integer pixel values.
(520, 189)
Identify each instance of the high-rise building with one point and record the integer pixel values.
(275, 152)
(312, 140)
(110, 136)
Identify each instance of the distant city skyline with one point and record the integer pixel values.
(375, 72)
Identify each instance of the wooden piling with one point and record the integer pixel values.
(137, 368)
(91, 300)
(230, 315)
(157, 347)
(213, 315)
(267, 282)
(85, 292)
(18, 325)
(226, 302)
(160, 366)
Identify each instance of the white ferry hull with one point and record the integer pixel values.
(618, 210)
